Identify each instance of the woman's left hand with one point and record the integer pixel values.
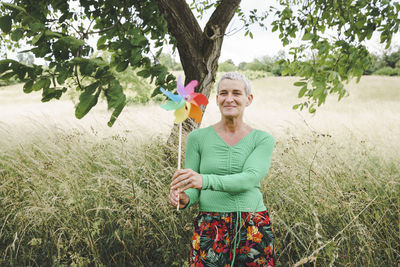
(186, 178)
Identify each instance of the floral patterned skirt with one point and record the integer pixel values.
(241, 238)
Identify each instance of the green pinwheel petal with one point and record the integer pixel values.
(171, 105)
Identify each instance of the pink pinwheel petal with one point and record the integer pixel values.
(198, 99)
(189, 89)
(181, 87)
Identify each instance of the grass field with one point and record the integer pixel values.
(75, 192)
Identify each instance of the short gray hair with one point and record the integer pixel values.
(238, 77)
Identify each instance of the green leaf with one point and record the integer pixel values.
(116, 99)
(101, 41)
(157, 91)
(17, 34)
(87, 100)
(7, 76)
(50, 94)
(98, 61)
(15, 7)
(122, 66)
(90, 89)
(114, 94)
(4, 65)
(144, 73)
(285, 41)
(308, 36)
(62, 77)
(36, 38)
(302, 91)
(360, 23)
(21, 72)
(52, 34)
(42, 83)
(115, 114)
(318, 91)
(37, 26)
(5, 23)
(79, 60)
(28, 86)
(87, 68)
(300, 83)
(72, 41)
(135, 58)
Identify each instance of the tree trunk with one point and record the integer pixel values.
(199, 50)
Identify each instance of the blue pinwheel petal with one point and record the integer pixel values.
(173, 97)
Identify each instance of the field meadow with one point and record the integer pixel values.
(78, 193)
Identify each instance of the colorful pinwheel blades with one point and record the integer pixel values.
(186, 103)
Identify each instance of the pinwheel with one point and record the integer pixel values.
(186, 104)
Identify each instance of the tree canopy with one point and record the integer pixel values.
(332, 49)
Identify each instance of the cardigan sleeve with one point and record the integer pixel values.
(192, 161)
(254, 170)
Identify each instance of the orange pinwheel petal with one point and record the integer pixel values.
(195, 113)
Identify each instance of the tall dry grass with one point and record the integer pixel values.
(83, 196)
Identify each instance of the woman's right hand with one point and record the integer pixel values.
(173, 198)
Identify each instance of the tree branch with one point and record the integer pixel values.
(220, 18)
(183, 26)
(103, 30)
(213, 36)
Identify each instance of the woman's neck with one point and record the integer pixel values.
(231, 125)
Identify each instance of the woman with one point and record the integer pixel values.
(224, 164)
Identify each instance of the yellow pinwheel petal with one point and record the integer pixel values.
(182, 113)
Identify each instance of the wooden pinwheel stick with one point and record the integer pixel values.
(186, 104)
(179, 156)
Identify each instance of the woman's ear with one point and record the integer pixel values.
(249, 99)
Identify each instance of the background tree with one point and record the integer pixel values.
(392, 59)
(58, 31)
(168, 61)
(387, 63)
(227, 65)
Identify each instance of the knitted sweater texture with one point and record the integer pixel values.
(231, 174)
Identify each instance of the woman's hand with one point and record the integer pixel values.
(185, 179)
(173, 198)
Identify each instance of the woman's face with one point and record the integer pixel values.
(232, 98)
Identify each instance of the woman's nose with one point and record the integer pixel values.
(229, 97)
